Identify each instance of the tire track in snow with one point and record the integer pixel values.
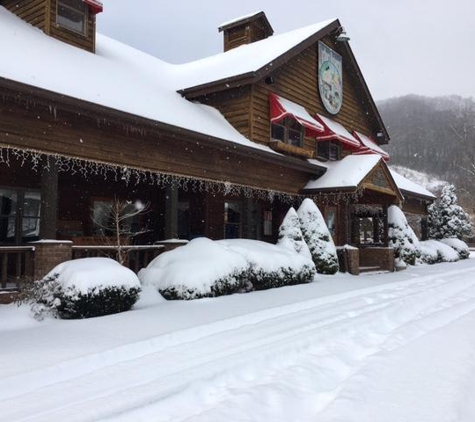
(333, 315)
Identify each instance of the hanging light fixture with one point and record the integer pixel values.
(342, 37)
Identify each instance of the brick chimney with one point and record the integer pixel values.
(245, 30)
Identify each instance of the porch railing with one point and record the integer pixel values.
(16, 264)
(136, 256)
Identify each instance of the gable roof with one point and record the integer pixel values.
(409, 187)
(117, 76)
(353, 172)
(250, 62)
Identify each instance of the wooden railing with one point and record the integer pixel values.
(16, 263)
(136, 256)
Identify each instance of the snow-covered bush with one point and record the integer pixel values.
(428, 254)
(272, 266)
(290, 234)
(401, 237)
(318, 238)
(202, 268)
(447, 219)
(459, 246)
(206, 268)
(444, 252)
(84, 288)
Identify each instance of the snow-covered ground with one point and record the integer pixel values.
(381, 347)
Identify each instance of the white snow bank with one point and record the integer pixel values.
(458, 245)
(444, 252)
(86, 274)
(265, 256)
(195, 266)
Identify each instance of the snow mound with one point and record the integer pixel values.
(459, 246)
(193, 270)
(87, 274)
(444, 252)
(266, 256)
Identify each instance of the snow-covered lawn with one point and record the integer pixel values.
(388, 347)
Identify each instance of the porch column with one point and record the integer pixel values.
(49, 201)
(171, 212)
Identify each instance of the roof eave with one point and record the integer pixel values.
(82, 106)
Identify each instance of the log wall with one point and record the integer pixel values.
(31, 11)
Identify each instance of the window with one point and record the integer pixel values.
(19, 216)
(72, 14)
(232, 220)
(329, 150)
(288, 131)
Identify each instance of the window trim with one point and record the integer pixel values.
(287, 124)
(330, 144)
(85, 30)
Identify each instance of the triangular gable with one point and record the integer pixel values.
(353, 173)
(380, 179)
(253, 62)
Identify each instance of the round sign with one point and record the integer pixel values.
(331, 87)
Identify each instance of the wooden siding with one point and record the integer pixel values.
(235, 105)
(245, 33)
(86, 42)
(297, 81)
(42, 14)
(51, 130)
(31, 11)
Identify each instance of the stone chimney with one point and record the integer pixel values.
(245, 30)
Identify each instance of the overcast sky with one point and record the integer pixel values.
(402, 46)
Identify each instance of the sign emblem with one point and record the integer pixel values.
(330, 78)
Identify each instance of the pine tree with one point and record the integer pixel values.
(447, 219)
(316, 235)
(290, 235)
(401, 236)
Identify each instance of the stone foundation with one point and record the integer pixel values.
(48, 254)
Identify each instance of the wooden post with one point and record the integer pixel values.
(171, 212)
(49, 201)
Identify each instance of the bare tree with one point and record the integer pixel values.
(119, 217)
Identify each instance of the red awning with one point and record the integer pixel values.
(281, 108)
(95, 6)
(368, 146)
(336, 132)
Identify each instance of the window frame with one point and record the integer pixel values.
(84, 32)
(330, 145)
(289, 125)
(20, 217)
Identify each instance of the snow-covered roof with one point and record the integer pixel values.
(244, 59)
(117, 76)
(282, 107)
(407, 185)
(347, 173)
(334, 128)
(239, 19)
(371, 145)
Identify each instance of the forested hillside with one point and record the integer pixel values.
(434, 135)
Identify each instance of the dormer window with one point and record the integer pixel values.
(289, 131)
(72, 15)
(329, 150)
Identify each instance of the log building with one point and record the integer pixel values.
(220, 147)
